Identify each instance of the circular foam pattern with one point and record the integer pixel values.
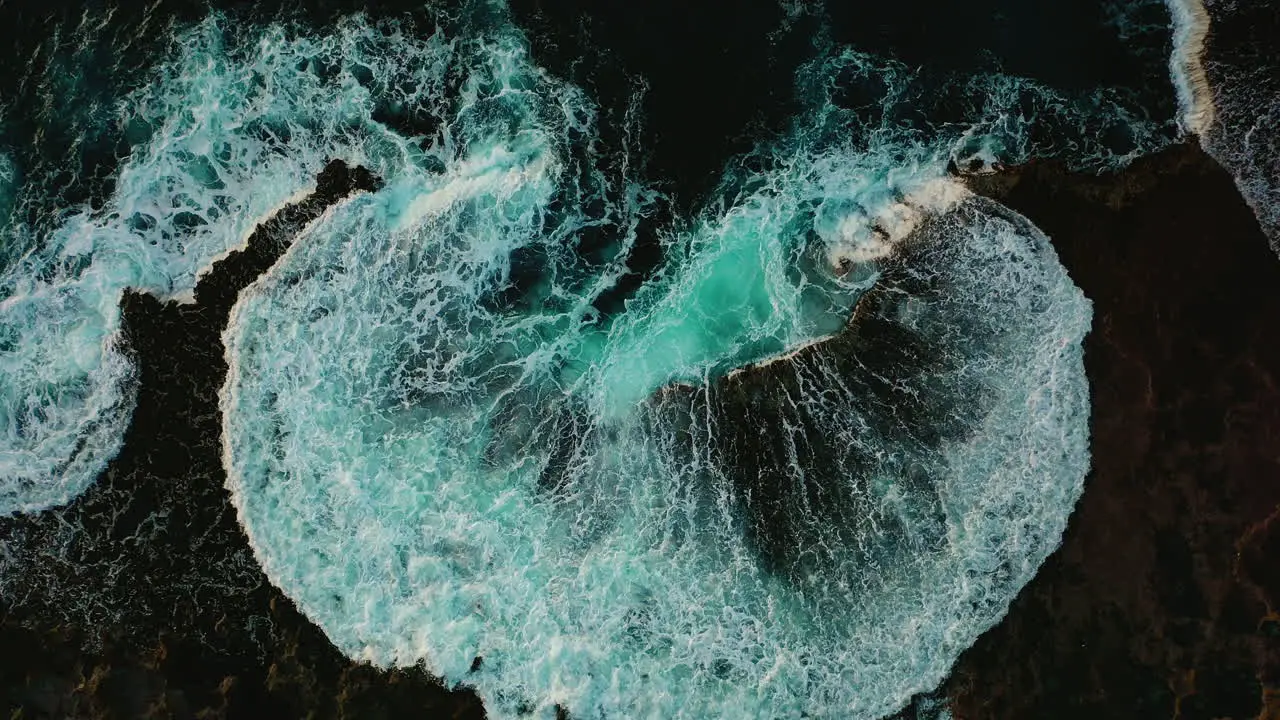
(434, 480)
(802, 469)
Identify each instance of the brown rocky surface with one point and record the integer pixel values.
(1161, 602)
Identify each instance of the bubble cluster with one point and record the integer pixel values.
(794, 473)
(799, 471)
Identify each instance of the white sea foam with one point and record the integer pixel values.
(1231, 98)
(225, 145)
(435, 474)
(386, 466)
(239, 120)
(441, 459)
(1186, 64)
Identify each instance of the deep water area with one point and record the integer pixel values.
(641, 360)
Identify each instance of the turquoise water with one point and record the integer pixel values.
(441, 464)
(240, 118)
(217, 146)
(724, 499)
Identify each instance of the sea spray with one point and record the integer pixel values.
(814, 455)
(799, 471)
(1228, 82)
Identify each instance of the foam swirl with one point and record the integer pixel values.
(725, 498)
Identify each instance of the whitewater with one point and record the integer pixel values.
(794, 474)
(1229, 95)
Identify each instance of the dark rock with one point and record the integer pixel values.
(1157, 603)
(142, 598)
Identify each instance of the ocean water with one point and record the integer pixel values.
(771, 422)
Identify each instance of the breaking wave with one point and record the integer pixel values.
(451, 443)
(794, 471)
(1228, 80)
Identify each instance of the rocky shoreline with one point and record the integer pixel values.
(1162, 601)
(142, 599)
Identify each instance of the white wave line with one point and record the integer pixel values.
(1186, 65)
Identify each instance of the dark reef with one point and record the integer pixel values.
(1162, 601)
